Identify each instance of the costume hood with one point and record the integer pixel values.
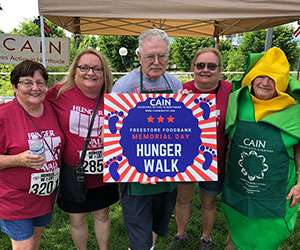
(273, 64)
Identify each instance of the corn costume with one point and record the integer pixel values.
(261, 168)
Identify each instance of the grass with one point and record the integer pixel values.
(57, 235)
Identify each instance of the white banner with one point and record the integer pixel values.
(15, 49)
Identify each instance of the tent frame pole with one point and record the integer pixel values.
(43, 40)
(268, 42)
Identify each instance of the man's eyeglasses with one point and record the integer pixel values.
(211, 66)
(29, 83)
(161, 58)
(86, 68)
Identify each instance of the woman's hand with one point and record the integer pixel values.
(294, 194)
(184, 91)
(148, 182)
(29, 160)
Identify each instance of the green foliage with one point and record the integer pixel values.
(110, 45)
(225, 48)
(225, 45)
(29, 28)
(235, 63)
(283, 38)
(5, 86)
(254, 42)
(183, 50)
(88, 42)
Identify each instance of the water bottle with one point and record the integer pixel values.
(36, 146)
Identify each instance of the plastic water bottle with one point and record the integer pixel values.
(36, 146)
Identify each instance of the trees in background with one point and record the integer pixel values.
(182, 48)
(29, 28)
(110, 45)
(254, 42)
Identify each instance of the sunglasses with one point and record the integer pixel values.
(211, 66)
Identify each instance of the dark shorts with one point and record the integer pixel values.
(20, 230)
(96, 198)
(210, 187)
(144, 214)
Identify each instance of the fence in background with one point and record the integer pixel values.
(58, 76)
(55, 77)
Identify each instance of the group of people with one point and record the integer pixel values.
(258, 132)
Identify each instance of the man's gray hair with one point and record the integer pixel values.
(153, 33)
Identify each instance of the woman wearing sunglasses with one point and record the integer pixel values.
(207, 69)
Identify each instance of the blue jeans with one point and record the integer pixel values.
(23, 229)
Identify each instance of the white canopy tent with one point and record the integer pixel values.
(194, 18)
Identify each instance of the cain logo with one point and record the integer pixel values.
(254, 143)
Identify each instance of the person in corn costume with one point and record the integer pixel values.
(261, 185)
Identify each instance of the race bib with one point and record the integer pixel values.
(93, 162)
(43, 184)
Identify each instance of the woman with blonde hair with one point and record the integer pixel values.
(74, 101)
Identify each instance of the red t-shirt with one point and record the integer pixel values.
(16, 202)
(222, 102)
(74, 111)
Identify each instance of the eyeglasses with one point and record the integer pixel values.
(161, 58)
(211, 66)
(86, 68)
(29, 83)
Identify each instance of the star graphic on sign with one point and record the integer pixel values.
(150, 119)
(160, 119)
(170, 119)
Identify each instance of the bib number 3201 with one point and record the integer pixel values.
(93, 162)
(43, 184)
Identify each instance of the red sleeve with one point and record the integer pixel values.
(52, 93)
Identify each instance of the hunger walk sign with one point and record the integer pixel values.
(160, 137)
(159, 150)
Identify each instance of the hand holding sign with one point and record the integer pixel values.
(159, 138)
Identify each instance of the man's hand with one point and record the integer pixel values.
(294, 194)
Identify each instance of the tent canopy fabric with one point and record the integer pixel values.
(190, 18)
